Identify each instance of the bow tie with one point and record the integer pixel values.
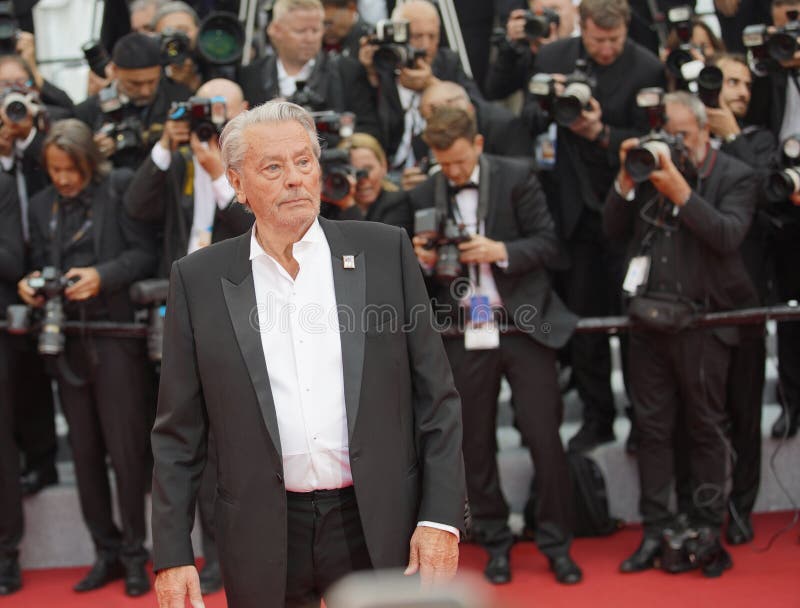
(456, 189)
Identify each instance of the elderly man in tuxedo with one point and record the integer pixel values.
(306, 347)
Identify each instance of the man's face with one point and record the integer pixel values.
(141, 20)
(298, 35)
(182, 22)
(338, 23)
(681, 121)
(603, 46)
(369, 188)
(423, 32)
(566, 11)
(459, 160)
(280, 178)
(64, 173)
(736, 84)
(140, 84)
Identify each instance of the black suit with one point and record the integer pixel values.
(11, 270)
(404, 443)
(351, 43)
(512, 205)
(104, 420)
(165, 200)
(340, 81)
(389, 208)
(686, 372)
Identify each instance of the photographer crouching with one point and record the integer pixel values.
(78, 224)
(684, 209)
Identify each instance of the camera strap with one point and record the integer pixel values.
(55, 232)
(455, 212)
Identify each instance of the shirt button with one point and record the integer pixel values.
(664, 259)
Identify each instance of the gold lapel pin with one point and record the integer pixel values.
(349, 262)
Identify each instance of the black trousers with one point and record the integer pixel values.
(34, 427)
(675, 377)
(110, 416)
(325, 543)
(530, 369)
(11, 523)
(592, 289)
(787, 278)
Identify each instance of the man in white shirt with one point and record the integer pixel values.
(306, 348)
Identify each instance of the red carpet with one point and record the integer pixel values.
(760, 580)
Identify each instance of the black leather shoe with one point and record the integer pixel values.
(789, 418)
(644, 557)
(739, 531)
(10, 576)
(498, 570)
(566, 570)
(721, 562)
(589, 437)
(103, 572)
(36, 480)
(136, 580)
(210, 578)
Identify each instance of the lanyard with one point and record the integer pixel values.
(55, 232)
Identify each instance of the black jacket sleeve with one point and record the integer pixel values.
(145, 198)
(509, 72)
(12, 255)
(53, 96)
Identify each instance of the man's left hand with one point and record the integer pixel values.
(669, 181)
(481, 250)
(209, 156)
(417, 78)
(87, 286)
(722, 122)
(434, 554)
(589, 124)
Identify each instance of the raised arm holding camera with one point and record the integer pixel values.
(684, 209)
(78, 225)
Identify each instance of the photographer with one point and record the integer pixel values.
(399, 85)
(344, 28)
(371, 197)
(177, 20)
(11, 268)
(128, 115)
(593, 116)
(78, 224)
(491, 212)
(684, 228)
(301, 72)
(526, 32)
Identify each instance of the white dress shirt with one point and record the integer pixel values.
(208, 194)
(413, 123)
(288, 84)
(299, 326)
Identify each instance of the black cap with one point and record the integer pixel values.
(135, 50)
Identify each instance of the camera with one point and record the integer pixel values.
(127, 137)
(567, 106)
(680, 22)
(783, 183)
(444, 234)
(685, 548)
(9, 29)
(766, 49)
(19, 103)
(307, 97)
(645, 158)
(220, 39)
(51, 285)
(96, 56)
(537, 25)
(336, 172)
(152, 294)
(175, 47)
(334, 123)
(206, 116)
(393, 52)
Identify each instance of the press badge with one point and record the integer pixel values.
(481, 332)
(638, 272)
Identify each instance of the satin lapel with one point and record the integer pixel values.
(350, 285)
(240, 296)
(484, 193)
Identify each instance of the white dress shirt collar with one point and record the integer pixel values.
(288, 84)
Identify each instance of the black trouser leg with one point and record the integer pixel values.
(477, 376)
(11, 522)
(744, 406)
(205, 503)
(789, 365)
(531, 371)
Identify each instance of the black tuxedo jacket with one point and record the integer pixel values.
(36, 178)
(403, 411)
(12, 248)
(160, 199)
(124, 248)
(511, 201)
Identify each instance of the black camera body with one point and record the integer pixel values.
(19, 103)
(336, 173)
(206, 115)
(9, 28)
(680, 22)
(767, 49)
(537, 25)
(96, 56)
(220, 39)
(175, 47)
(567, 106)
(306, 97)
(51, 285)
(784, 182)
(685, 548)
(394, 51)
(444, 234)
(152, 294)
(123, 127)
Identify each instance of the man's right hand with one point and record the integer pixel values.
(624, 180)
(175, 585)
(411, 178)
(27, 293)
(176, 133)
(426, 257)
(515, 28)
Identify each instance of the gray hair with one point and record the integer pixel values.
(174, 7)
(231, 141)
(140, 5)
(74, 138)
(281, 8)
(691, 103)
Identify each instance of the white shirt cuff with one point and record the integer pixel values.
(223, 192)
(161, 157)
(445, 527)
(502, 264)
(629, 197)
(7, 162)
